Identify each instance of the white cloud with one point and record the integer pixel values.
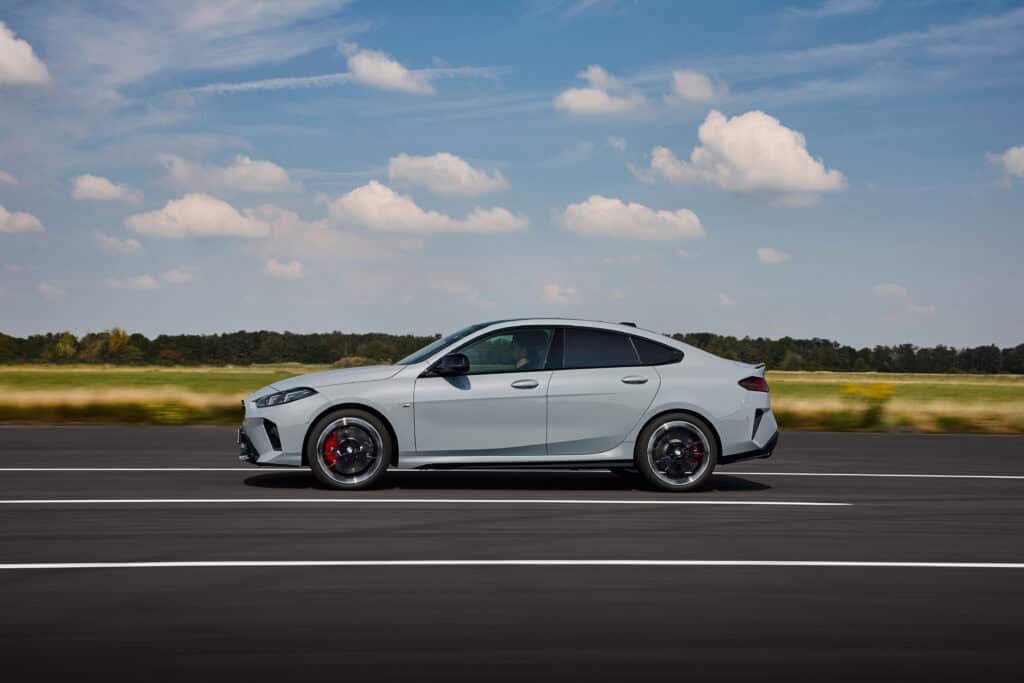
(682, 253)
(890, 289)
(725, 300)
(772, 256)
(18, 62)
(136, 282)
(7, 179)
(619, 144)
(48, 291)
(922, 310)
(380, 70)
(115, 245)
(598, 98)
(197, 215)
(241, 175)
(444, 174)
(178, 276)
(291, 269)
(11, 268)
(554, 293)
(609, 217)
(98, 188)
(378, 207)
(752, 152)
(691, 86)
(18, 221)
(834, 8)
(1011, 162)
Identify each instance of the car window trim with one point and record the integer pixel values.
(633, 337)
(493, 333)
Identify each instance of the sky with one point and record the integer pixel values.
(847, 169)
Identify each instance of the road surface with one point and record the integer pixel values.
(151, 553)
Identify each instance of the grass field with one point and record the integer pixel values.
(801, 400)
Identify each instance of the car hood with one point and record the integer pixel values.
(366, 373)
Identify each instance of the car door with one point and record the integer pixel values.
(600, 395)
(498, 409)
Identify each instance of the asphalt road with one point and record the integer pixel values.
(684, 596)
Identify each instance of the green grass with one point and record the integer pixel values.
(207, 380)
(906, 387)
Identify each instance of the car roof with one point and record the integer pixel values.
(630, 328)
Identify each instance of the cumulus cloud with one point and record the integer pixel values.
(291, 269)
(178, 276)
(378, 207)
(380, 70)
(48, 291)
(554, 293)
(136, 282)
(609, 217)
(1011, 162)
(241, 175)
(115, 245)
(7, 179)
(772, 256)
(18, 221)
(691, 86)
(725, 300)
(619, 144)
(197, 215)
(890, 289)
(98, 188)
(605, 94)
(751, 152)
(18, 62)
(444, 174)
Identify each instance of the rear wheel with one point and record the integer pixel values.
(349, 449)
(677, 452)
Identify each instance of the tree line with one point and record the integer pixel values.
(116, 346)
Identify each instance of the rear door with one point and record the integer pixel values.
(498, 409)
(600, 395)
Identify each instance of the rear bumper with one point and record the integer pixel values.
(763, 452)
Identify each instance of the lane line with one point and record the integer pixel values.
(873, 475)
(251, 470)
(512, 563)
(417, 501)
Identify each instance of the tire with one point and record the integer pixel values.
(677, 452)
(349, 449)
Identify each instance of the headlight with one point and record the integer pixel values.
(282, 397)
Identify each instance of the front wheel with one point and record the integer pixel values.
(349, 449)
(677, 452)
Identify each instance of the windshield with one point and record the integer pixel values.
(435, 346)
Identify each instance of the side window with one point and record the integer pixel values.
(653, 353)
(516, 350)
(586, 348)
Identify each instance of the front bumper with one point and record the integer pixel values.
(275, 436)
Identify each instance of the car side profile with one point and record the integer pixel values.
(520, 393)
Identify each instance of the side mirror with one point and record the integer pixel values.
(451, 365)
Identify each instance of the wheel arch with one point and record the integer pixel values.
(351, 406)
(680, 411)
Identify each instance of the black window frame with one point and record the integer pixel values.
(565, 336)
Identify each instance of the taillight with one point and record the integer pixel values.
(754, 384)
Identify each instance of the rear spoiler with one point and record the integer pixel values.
(759, 367)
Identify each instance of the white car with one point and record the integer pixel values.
(535, 392)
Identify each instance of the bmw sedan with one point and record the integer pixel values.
(528, 393)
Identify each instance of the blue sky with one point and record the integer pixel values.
(850, 169)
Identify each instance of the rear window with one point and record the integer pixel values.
(653, 353)
(585, 348)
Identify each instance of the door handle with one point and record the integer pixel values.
(525, 384)
(634, 379)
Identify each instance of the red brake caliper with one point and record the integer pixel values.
(330, 449)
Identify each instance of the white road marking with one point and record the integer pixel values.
(744, 473)
(872, 474)
(406, 501)
(512, 563)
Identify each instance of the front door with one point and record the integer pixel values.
(498, 409)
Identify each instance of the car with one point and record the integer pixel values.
(531, 392)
